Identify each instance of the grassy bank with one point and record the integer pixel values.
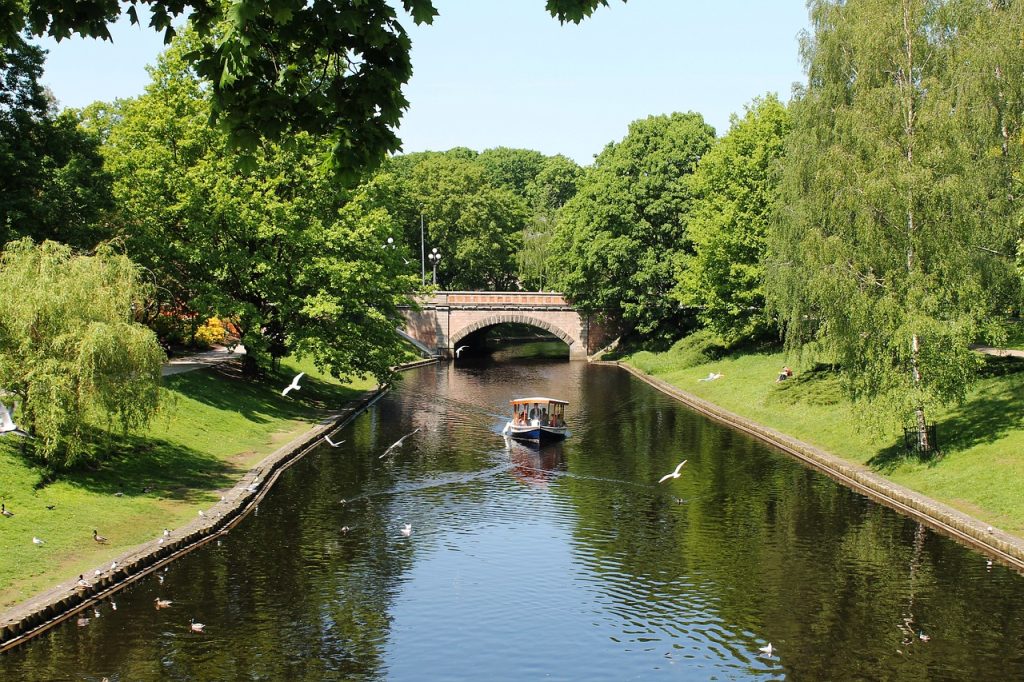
(981, 467)
(213, 427)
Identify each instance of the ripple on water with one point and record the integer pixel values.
(566, 563)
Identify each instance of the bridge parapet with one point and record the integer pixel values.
(502, 299)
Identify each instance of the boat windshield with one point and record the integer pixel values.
(539, 413)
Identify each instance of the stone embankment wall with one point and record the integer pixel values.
(951, 522)
(42, 612)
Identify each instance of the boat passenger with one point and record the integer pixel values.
(544, 417)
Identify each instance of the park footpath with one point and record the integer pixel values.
(42, 612)
(188, 363)
(966, 529)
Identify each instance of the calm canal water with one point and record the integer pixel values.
(569, 563)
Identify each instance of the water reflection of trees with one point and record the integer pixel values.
(745, 548)
(759, 548)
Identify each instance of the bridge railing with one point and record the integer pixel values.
(533, 299)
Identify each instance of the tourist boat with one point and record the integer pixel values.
(541, 420)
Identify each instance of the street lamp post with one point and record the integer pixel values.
(423, 260)
(435, 258)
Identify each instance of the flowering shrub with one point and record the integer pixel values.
(211, 333)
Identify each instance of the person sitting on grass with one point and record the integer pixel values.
(784, 374)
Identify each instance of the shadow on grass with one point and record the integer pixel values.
(992, 412)
(225, 388)
(819, 385)
(154, 467)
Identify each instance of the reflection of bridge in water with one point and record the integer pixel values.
(448, 317)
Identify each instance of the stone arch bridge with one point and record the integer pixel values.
(447, 317)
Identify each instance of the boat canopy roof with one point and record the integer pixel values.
(531, 401)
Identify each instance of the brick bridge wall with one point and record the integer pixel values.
(449, 316)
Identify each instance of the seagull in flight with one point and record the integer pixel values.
(674, 474)
(294, 385)
(459, 350)
(712, 376)
(398, 443)
(332, 443)
(7, 424)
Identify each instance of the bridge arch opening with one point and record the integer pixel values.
(503, 330)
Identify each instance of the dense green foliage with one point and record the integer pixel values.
(876, 219)
(71, 353)
(889, 242)
(275, 249)
(54, 186)
(735, 190)
(554, 184)
(484, 212)
(616, 240)
(334, 68)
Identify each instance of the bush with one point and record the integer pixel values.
(211, 333)
(698, 348)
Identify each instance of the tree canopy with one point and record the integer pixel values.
(616, 239)
(69, 348)
(887, 252)
(54, 185)
(276, 248)
(735, 190)
(474, 224)
(333, 68)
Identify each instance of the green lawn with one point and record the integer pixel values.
(980, 470)
(213, 427)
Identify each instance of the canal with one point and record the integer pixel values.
(567, 563)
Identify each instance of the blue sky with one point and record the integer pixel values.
(503, 72)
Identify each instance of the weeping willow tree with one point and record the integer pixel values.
(890, 253)
(70, 353)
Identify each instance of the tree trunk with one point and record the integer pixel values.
(910, 114)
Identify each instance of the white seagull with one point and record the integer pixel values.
(294, 385)
(767, 650)
(712, 376)
(7, 424)
(407, 530)
(36, 541)
(674, 474)
(398, 443)
(332, 443)
(459, 350)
